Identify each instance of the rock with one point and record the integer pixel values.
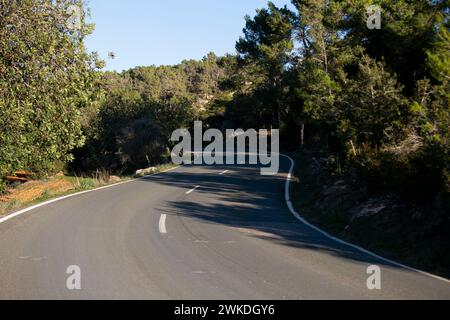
(114, 179)
(152, 169)
(147, 171)
(371, 207)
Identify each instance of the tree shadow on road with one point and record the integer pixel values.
(245, 200)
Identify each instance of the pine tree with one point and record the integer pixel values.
(266, 49)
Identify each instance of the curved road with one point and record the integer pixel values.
(191, 233)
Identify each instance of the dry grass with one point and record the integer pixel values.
(37, 191)
(34, 192)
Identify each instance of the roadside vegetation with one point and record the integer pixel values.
(16, 197)
(369, 110)
(392, 226)
(33, 192)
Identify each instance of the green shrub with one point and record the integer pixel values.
(420, 176)
(48, 83)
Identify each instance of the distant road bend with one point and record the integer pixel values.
(196, 232)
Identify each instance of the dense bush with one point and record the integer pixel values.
(48, 83)
(420, 176)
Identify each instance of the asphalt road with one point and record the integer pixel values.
(191, 233)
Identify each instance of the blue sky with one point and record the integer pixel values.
(146, 32)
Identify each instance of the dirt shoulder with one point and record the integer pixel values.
(33, 192)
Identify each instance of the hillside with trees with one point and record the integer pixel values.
(143, 106)
(365, 111)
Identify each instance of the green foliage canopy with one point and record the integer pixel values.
(48, 83)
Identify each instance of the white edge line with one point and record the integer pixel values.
(15, 214)
(192, 190)
(302, 220)
(162, 224)
(223, 172)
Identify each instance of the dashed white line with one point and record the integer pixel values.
(222, 173)
(192, 190)
(162, 224)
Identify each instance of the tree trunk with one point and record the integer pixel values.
(302, 134)
(353, 148)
